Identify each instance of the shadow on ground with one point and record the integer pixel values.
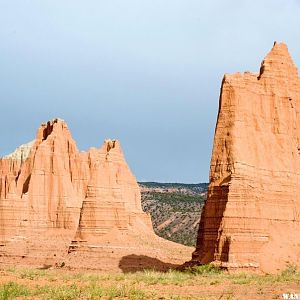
(135, 263)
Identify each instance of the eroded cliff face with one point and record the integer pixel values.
(251, 218)
(58, 204)
(38, 189)
(112, 198)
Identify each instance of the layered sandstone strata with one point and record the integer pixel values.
(112, 195)
(58, 204)
(252, 215)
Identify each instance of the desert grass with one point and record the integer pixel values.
(61, 284)
(12, 290)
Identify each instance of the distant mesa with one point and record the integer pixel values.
(60, 206)
(251, 219)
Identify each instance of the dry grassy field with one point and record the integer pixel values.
(203, 282)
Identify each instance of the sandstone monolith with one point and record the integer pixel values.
(251, 218)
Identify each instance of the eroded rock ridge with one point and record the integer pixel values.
(58, 204)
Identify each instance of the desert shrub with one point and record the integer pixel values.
(291, 273)
(204, 270)
(290, 270)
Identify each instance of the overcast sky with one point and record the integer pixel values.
(146, 72)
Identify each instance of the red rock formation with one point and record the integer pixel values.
(112, 195)
(40, 196)
(252, 214)
(51, 194)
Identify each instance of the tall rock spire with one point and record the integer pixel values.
(278, 63)
(251, 218)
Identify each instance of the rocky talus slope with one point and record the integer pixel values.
(252, 215)
(175, 209)
(63, 207)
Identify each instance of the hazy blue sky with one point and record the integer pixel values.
(146, 72)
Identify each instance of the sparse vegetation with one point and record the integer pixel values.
(204, 270)
(11, 290)
(91, 290)
(147, 284)
(193, 187)
(175, 209)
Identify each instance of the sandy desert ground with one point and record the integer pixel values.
(198, 283)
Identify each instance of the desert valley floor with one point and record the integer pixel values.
(200, 284)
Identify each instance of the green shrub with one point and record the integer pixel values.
(204, 270)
